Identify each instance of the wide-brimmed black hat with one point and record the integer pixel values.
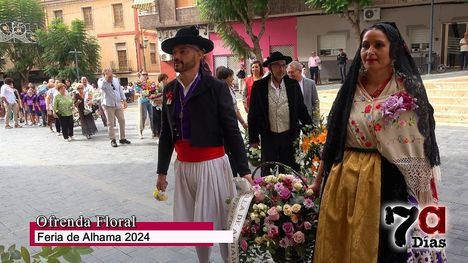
(187, 36)
(276, 56)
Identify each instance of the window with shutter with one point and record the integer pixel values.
(329, 45)
(58, 14)
(153, 53)
(118, 15)
(419, 39)
(122, 62)
(87, 16)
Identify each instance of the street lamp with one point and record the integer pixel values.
(76, 53)
(145, 44)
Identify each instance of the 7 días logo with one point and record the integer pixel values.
(436, 225)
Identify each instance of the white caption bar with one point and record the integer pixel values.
(133, 237)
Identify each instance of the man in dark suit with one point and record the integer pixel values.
(308, 88)
(277, 111)
(197, 119)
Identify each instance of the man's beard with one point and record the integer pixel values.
(182, 67)
(275, 76)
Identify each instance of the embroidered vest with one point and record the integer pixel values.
(278, 109)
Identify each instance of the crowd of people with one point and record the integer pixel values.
(62, 106)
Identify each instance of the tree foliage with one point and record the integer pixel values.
(348, 9)
(24, 56)
(222, 13)
(58, 40)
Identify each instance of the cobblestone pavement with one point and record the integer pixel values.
(40, 173)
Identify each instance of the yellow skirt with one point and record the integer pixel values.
(349, 220)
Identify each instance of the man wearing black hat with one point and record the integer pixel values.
(276, 110)
(197, 119)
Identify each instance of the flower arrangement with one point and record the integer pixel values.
(254, 155)
(309, 148)
(160, 195)
(282, 219)
(396, 104)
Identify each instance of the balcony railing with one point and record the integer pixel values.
(121, 66)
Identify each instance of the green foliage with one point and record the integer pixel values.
(336, 6)
(350, 10)
(58, 40)
(23, 56)
(47, 254)
(29, 11)
(221, 13)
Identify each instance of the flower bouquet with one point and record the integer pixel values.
(281, 220)
(254, 155)
(309, 148)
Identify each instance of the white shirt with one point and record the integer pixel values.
(301, 83)
(8, 93)
(277, 89)
(51, 93)
(186, 89)
(112, 93)
(314, 62)
(463, 48)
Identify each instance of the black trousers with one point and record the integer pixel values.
(57, 124)
(157, 120)
(278, 147)
(67, 126)
(314, 73)
(464, 60)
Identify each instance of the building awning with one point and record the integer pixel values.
(143, 4)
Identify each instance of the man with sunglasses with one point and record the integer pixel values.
(113, 101)
(276, 113)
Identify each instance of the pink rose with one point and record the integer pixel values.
(288, 228)
(278, 187)
(244, 245)
(255, 228)
(259, 180)
(308, 203)
(273, 231)
(273, 214)
(285, 242)
(299, 237)
(307, 225)
(259, 196)
(285, 194)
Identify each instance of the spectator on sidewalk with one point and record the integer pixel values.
(314, 64)
(342, 59)
(241, 74)
(464, 52)
(256, 73)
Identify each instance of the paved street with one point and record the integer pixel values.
(40, 173)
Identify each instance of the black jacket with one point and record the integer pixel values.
(258, 118)
(213, 122)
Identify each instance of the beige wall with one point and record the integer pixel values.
(109, 35)
(310, 27)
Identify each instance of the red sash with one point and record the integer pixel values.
(187, 153)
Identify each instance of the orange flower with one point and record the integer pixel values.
(322, 137)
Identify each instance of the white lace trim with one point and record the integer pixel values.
(418, 173)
